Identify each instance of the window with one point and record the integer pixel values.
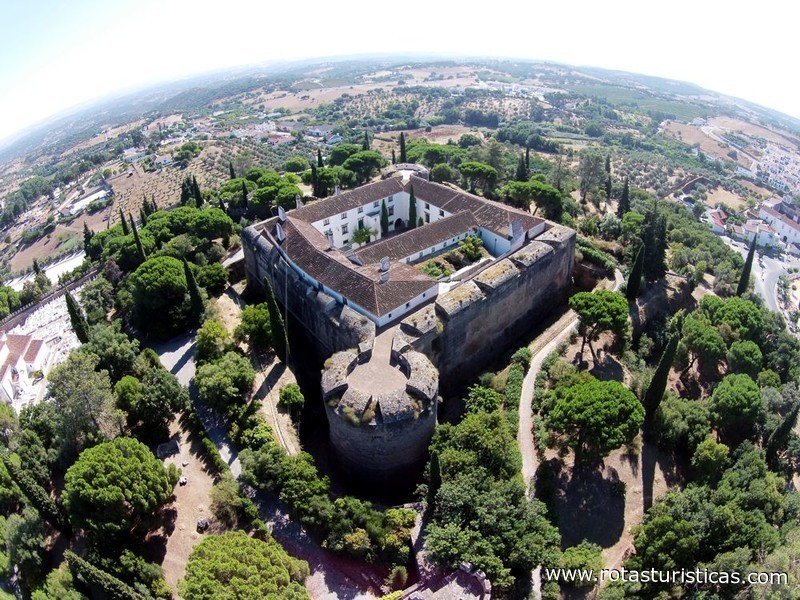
(408, 304)
(344, 229)
(360, 209)
(391, 199)
(391, 210)
(326, 222)
(423, 294)
(375, 204)
(343, 215)
(441, 212)
(427, 206)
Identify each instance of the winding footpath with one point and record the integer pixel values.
(543, 345)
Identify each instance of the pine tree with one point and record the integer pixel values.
(624, 200)
(402, 147)
(412, 209)
(198, 197)
(231, 172)
(658, 384)
(76, 319)
(88, 234)
(365, 143)
(195, 299)
(394, 158)
(279, 342)
(744, 280)
(36, 495)
(137, 239)
(635, 276)
(123, 222)
(384, 219)
(522, 171)
(320, 164)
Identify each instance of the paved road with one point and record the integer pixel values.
(766, 272)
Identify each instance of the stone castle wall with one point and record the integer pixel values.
(333, 327)
(460, 333)
(468, 326)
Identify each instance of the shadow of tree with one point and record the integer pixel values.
(591, 505)
(609, 368)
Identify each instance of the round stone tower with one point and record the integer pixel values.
(381, 406)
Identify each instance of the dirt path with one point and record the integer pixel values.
(541, 347)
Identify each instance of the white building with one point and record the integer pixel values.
(378, 280)
(21, 356)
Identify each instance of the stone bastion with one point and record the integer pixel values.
(381, 406)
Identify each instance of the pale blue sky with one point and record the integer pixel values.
(55, 54)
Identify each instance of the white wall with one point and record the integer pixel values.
(410, 306)
(495, 244)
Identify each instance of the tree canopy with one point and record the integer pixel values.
(234, 566)
(599, 311)
(116, 484)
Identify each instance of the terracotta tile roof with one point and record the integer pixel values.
(33, 350)
(494, 216)
(416, 240)
(781, 217)
(17, 345)
(308, 248)
(334, 205)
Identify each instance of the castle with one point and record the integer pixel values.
(391, 330)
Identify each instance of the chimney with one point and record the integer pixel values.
(384, 276)
(384, 264)
(329, 236)
(297, 202)
(281, 214)
(337, 190)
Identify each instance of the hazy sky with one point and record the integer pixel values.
(58, 53)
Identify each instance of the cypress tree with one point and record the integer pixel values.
(384, 219)
(88, 234)
(231, 172)
(314, 181)
(624, 200)
(522, 171)
(608, 164)
(434, 480)
(279, 342)
(244, 194)
(779, 438)
(198, 197)
(635, 276)
(143, 216)
(36, 495)
(153, 204)
(195, 299)
(76, 319)
(186, 191)
(365, 143)
(123, 222)
(412, 209)
(528, 158)
(608, 187)
(320, 164)
(658, 384)
(137, 239)
(655, 240)
(394, 158)
(36, 268)
(402, 147)
(744, 280)
(94, 577)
